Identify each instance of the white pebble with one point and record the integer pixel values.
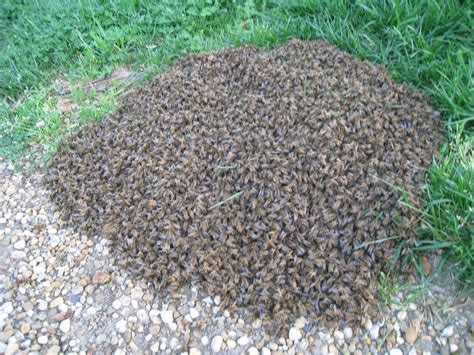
(142, 315)
(193, 312)
(20, 244)
(374, 332)
(294, 334)
(243, 340)
(117, 304)
(216, 343)
(167, 316)
(231, 344)
(300, 323)
(18, 254)
(155, 347)
(11, 348)
(253, 351)
(7, 307)
(453, 347)
(205, 340)
(266, 351)
(396, 352)
(56, 302)
(43, 340)
(65, 325)
(91, 311)
(174, 343)
(121, 324)
(208, 300)
(42, 305)
(448, 331)
(338, 335)
(348, 333)
(401, 315)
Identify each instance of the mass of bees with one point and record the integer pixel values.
(279, 180)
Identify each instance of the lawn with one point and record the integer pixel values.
(49, 45)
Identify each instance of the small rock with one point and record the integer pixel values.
(193, 312)
(56, 302)
(117, 304)
(374, 332)
(396, 352)
(142, 315)
(411, 335)
(300, 323)
(231, 344)
(7, 307)
(43, 339)
(18, 254)
(155, 330)
(101, 338)
(253, 351)
(294, 334)
(368, 325)
(243, 340)
(448, 331)
(216, 343)
(401, 316)
(25, 328)
(266, 351)
(77, 290)
(205, 340)
(453, 347)
(194, 351)
(54, 350)
(12, 348)
(155, 347)
(338, 335)
(65, 325)
(42, 305)
(333, 350)
(257, 323)
(121, 324)
(167, 316)
(100, 277)
(348, 333)
(19, 245)
(134, 347)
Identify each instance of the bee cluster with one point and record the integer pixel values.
(266, 177)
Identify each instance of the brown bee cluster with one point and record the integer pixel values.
(266, 177)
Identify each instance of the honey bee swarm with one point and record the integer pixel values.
(260, 176)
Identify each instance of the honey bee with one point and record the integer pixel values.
(314, 139)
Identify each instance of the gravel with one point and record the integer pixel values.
(67, 295)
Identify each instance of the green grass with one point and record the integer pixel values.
(425, 43)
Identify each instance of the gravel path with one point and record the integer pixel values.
(60, 292)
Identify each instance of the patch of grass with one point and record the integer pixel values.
(449, 214)
(427, 44)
